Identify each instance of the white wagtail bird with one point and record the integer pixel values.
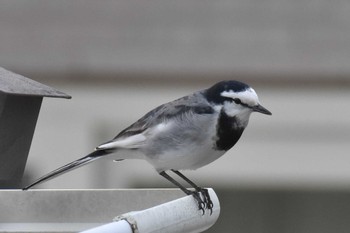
(184, 134)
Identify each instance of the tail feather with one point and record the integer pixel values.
(69, 167)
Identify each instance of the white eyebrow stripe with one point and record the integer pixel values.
(248, 96)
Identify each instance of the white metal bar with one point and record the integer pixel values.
(121, 226)
(178, 216)
(51, 227)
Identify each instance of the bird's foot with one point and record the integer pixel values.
(200, 202)
(207, 200)
(203, 199)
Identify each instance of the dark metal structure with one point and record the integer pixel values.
(20, 102)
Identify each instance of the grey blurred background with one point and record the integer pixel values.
(119, 59)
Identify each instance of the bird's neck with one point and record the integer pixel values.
(229, 130)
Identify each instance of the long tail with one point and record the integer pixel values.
(69, 167)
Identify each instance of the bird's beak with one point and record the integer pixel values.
(261, 109)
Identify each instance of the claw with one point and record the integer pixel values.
(203, 199)
(207, 200)
(201, 203)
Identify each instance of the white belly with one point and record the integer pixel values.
(190, 159)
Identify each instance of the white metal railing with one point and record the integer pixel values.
(177, 216)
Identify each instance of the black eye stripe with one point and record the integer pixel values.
(239, 101)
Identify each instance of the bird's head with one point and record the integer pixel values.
(235, 98)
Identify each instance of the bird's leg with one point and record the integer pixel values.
(201, 203)
(208, 202)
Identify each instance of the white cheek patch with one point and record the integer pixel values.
(231, 109)
(248, 96)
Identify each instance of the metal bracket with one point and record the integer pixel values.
(132, 222)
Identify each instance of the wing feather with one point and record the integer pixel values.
(131, 142)
(134, 136)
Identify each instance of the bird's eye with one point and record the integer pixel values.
(237, 101)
